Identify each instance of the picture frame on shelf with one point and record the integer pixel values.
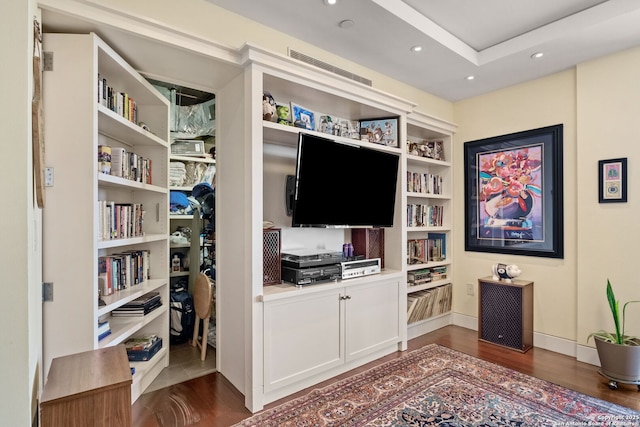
(349, 128)
(303, 117)
(513, 193)
(382, 131)
(612, 180)
(328, 124)
(428, 149)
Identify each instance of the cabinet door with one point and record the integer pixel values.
(371, 318)
(302, 337)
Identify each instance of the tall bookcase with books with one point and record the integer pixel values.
(428, 200)
(105, 223)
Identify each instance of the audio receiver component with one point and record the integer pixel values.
(359, 268)
(311, 275)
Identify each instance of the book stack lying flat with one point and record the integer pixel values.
(141, 349)
(140, 306)
(104, 329)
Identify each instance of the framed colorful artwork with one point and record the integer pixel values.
(612, 180)
(513, 193)
(380, 131)
(302, 117)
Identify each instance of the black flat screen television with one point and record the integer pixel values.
(343, 185)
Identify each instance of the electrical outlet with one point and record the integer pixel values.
(470, 290)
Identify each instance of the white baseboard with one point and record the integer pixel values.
(465, 321)
(587, 354)
(548, 342)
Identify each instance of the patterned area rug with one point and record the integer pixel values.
(437, 386)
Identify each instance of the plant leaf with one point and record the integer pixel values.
(624, 312)
(604, 335)
(615, 312)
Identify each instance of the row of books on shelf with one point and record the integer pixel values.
(119, 102)
(117, 161)
(422, 251)
(122, 270)
(424, 215)
(120, 220)
(425, 183)
(140, 306)
(426, 275)
(422, 305)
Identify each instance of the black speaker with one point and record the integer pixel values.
(289, 192)
(506, 313)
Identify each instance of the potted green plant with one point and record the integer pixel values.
(619, 353)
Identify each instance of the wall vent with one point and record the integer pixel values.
(328, 67)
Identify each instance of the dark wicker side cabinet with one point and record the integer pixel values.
(505, 313)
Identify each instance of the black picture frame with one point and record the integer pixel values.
(514, 193)
(612, 180)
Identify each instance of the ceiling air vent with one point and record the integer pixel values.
(328, 67)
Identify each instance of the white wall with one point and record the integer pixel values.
(598, 104)
(20, 254)
(608, 127)
(536, 104)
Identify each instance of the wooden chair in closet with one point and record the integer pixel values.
(202, 298)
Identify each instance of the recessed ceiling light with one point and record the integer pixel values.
(330, 2)
(537, 55)
(471, 77)
(416, 48)
(346, 24)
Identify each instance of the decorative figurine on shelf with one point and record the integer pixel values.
(268, 107)
(505, 272)
(284, 118)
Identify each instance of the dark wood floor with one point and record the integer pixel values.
(212, 401)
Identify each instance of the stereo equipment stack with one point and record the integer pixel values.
(310, 266)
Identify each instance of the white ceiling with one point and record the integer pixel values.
(492, 40)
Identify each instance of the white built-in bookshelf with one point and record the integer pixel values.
(427, 196)
(108, 204)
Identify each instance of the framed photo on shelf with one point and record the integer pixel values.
(513, 193)
(302, 117)
(612, 180)
(349, 128)
(327, 123)
(380, 131)
(429, 149)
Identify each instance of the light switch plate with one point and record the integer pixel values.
(48, 177)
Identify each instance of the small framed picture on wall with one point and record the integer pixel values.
(612, 180)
